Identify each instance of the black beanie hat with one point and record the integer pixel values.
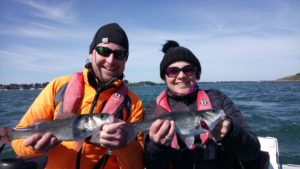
(174, 52)
(110, 33)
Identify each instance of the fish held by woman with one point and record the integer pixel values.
(188, 123)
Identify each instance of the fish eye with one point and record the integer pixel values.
(86, 120)
(103, 115)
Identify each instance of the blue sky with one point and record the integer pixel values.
(234, 40)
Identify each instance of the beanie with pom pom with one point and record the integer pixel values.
(174, 52)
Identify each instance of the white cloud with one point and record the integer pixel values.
(57, 12)
(40, 60)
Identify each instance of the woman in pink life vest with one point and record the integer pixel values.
(229, 144)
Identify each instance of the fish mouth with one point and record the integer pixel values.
(204, 125)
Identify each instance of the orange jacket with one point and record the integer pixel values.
(64, 156)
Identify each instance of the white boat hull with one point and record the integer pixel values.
(270, 145)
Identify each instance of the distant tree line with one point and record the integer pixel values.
(42, 85)
(23, 86)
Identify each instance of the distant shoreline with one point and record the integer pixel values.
(40, 86)
(293, 78)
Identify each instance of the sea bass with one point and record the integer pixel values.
(77, 127)
(188, 123)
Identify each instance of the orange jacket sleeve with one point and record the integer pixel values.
(42, 109)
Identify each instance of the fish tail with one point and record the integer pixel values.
(5, 134)
(143, 125)
(132, 135)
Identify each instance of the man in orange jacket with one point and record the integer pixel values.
(102, 77)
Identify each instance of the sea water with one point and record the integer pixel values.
(271, 109)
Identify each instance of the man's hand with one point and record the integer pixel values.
(116, 135)
(42, 143)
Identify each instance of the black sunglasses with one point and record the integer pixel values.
(105, 51)
(188, 70)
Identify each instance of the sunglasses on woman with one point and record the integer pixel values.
(188, 70)
(105, 51)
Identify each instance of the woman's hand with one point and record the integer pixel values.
(221, 130)
(162, 131)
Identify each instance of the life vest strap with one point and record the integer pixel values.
(74, 93)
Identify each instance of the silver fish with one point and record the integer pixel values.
(188, 123)
(77, 127)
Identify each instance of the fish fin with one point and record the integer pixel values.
(5, 134)
(181, 107)
(152, 110)
(188, 141)
(78, 145)
(131, 135)
(64, 115)
(159, 110)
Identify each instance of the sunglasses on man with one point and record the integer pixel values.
(105, 52)
(188, 70)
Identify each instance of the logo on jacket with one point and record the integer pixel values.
(117, 96)
(203, 102)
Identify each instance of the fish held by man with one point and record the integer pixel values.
(77, 127)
